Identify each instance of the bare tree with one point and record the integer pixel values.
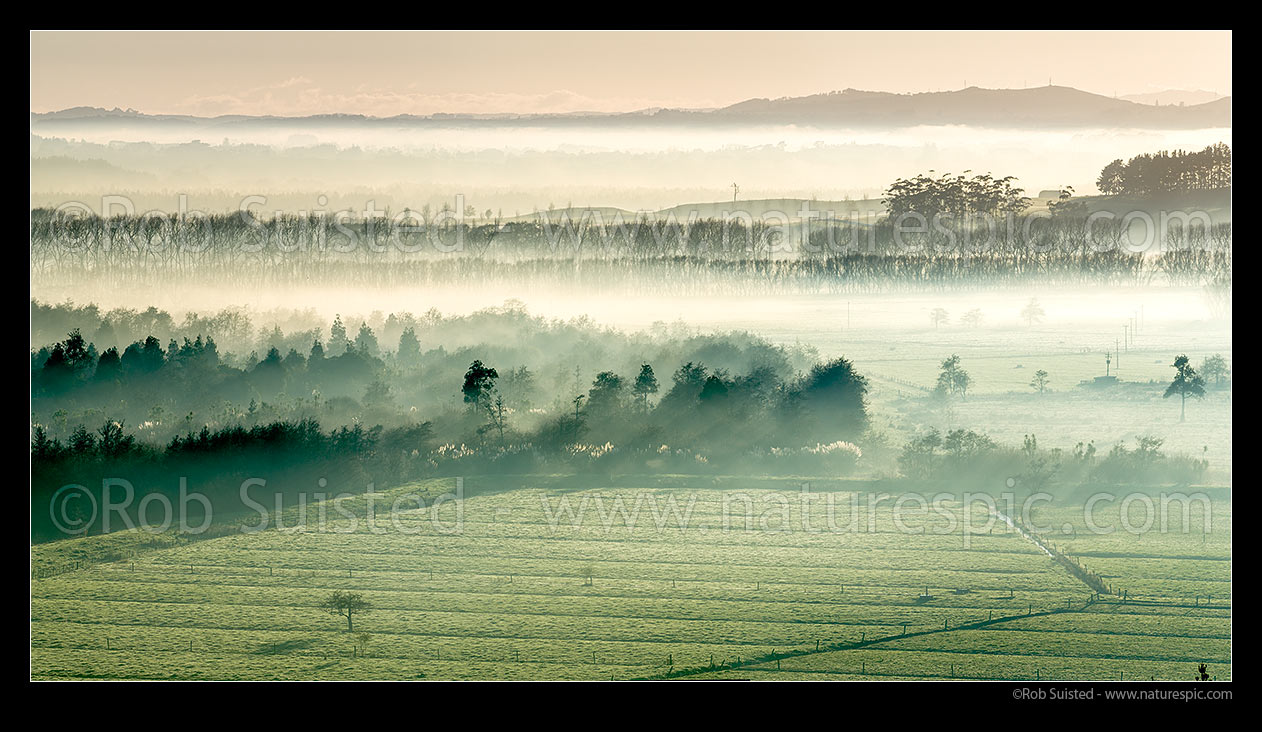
(497, 415)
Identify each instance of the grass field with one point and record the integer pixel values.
(891, 341)
(1002, 404)
(526, 590)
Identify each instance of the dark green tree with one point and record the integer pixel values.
(347, 605)
(478, 380)
(645, 386)
(1186, 383)
(409, 347)
(366, 341)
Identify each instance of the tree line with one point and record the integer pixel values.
(825, 255)
(1177, 171)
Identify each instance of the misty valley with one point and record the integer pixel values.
(939, 389)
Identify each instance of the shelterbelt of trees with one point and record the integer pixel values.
(964, 231)
(1178, 171)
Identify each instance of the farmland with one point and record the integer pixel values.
(536, 578)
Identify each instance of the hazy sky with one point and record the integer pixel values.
(420, 73)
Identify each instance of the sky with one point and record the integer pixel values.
(388, 73)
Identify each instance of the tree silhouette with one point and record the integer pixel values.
(1213, 367)
(496, 413)
(605, 396)
(1186, 383)
(338, 343)
(645, 385)
(1039, 382)
(477, 381)
(1032, 312)
(952, 379)
(409, 352)
(347, 605)
(833, 401)
(366, 341)
(954, 195)
(1168, 171)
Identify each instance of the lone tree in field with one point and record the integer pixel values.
(1040, 381)
(1215, 367)
(1032, 312)
(346, 604)
(952, 379)
(939, 316)
(972, 318)
(1186, 383)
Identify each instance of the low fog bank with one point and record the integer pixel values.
(390, 397)
(514, 172)
(821, 320)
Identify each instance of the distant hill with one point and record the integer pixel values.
(864, 210)
(1217, 203)
(1048, 106)
(1173, 96)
